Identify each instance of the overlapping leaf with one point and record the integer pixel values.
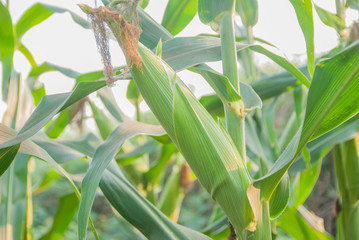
(103, 155)
(48, 107)
(332, 99)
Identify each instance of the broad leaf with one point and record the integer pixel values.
(298, 227)
(104, 154)
(40, 12)
(139, 211)
(332, 99)
(48, 107)
(152, 32)
(178, 14)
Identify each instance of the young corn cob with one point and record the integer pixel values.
(206, 146)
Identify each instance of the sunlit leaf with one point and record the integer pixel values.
(178, 14)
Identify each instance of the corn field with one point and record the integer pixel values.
(257, 159)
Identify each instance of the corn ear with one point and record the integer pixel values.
(206, 146)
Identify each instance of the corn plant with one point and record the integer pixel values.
(259, 177)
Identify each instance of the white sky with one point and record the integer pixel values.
(60, 41)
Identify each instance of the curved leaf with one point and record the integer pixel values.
(303, 9)
(30, 148)
(139, 211)
(40, 12)
(178, 14)
(122, 195)
(152, 32)
(227, 93)
(183, 52)
(103, 155)
(48, 107)
(332, 99)
(330, 19)
(225, 176)
(7, 47)
(7, 156)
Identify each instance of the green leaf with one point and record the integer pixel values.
(7, 47)
(280, 198)
(143, 3)
(227, 93)
(248, 11)
(28, 147)
(57, 151)
(210, 12)
(133, 94)
(38, 94)
(104, 154)
(27, 54)
(40, 12)
(330, 19)
(346, 162)
(47, 67)
(13, 185)
(213, 105)
(170, 199)
(332, 99)
(319, 147)
(139, 211)
(304, 185)
(272, 86)
(152, 32)
(109, 101)
(304, 12)
(296, 226)
(58, 125)
(225, 176)
(129, 157)
(104, 124)
(181, 53)
(152, 175)
(340, 78)
(49, 106)
(178, 14)
(123, 196)
(7, 156)
(65, 212)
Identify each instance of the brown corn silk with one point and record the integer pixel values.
(127, 30)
